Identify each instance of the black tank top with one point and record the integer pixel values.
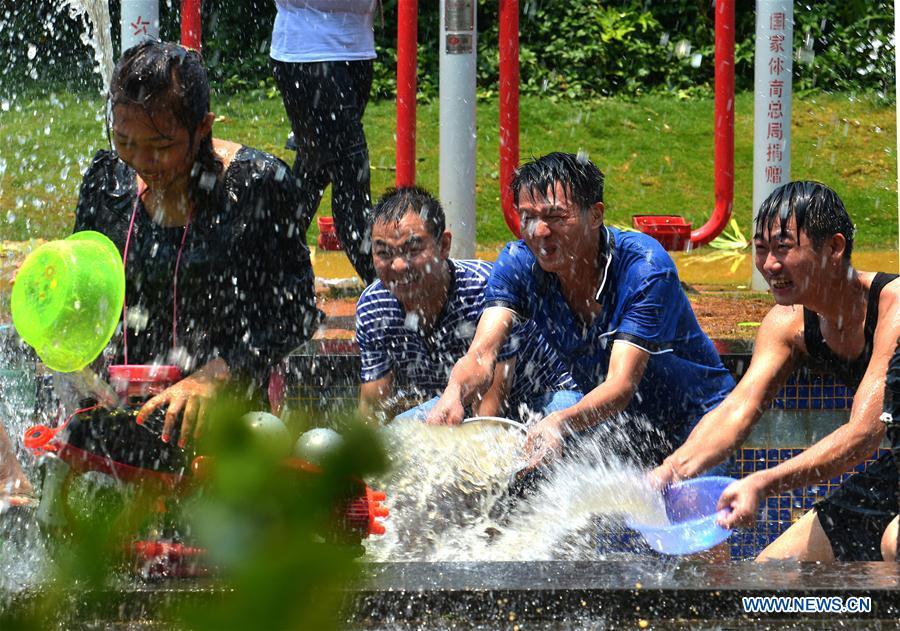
(849, 371)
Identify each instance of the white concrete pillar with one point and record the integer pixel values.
(457, 122)
(140, 21)
(773, 63)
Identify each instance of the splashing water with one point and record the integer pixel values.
(448, 483)
(94, 16)
(21, 548)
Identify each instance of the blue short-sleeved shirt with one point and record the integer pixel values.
(642, 304)
(389, 341)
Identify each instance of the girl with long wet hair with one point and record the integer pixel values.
(218, 275)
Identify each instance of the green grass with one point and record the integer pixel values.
(656, 152)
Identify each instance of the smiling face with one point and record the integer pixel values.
(158, 148)
(408, 259)
(791, 265)
(555, 229)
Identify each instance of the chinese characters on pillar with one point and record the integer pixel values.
(775, 119)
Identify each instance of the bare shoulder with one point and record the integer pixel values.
(225, 150)
(782, 323)
(888, 327)
(890, 296)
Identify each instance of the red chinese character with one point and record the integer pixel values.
(775, 88)
(775, 110)
(775, 130)
(776, 21)
(774, 153)
(776, 65)
(776, 43)
(773, 174)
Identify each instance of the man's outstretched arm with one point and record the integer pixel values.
(842, 449)
(724, 428)
(473, 374)
(626, 368)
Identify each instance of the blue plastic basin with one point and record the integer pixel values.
(691, 509)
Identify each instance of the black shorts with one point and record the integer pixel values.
(855, 516)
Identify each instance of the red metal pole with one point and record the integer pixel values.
(509, 107)
(190, 23)
(724, 133)
(407, 62)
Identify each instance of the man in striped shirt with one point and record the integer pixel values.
(419, 317)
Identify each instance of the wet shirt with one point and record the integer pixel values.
(643, 304)
(245, 285)
(390, 341)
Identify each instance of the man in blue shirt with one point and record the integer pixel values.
(419, 317)
(609, 302)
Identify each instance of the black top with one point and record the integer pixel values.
(245, 281)
(850, 372)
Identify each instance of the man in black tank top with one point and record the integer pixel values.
(891, 419)
(843, 319)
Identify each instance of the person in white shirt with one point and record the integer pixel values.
(322, 56)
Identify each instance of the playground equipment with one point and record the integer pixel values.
(673, 231)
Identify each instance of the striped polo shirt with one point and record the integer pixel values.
(390, 341)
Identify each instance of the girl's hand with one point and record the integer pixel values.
(190, 399)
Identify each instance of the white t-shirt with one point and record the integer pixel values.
(323, 30)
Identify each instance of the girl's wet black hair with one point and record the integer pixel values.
(162, 76)
(817, 209)
(581, 179)
(397, 202)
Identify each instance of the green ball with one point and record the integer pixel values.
(269, 432)
(317, 444)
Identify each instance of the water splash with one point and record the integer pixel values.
(94, 15)
(448, 496)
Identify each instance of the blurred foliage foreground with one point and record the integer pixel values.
(264, 536)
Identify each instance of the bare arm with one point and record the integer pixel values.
(726, 426)
(474, 372)
(840, 450)
(491, 402)
(374, 394)
(851, 443)
(13, 482)
(626, 368)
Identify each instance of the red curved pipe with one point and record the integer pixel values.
(407, 62)
(509, 108)
(190, 23)
(724, 130)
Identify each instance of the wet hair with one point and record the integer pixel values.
(817, 209)
(167, 77)
(397, 202)
(582, 181)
